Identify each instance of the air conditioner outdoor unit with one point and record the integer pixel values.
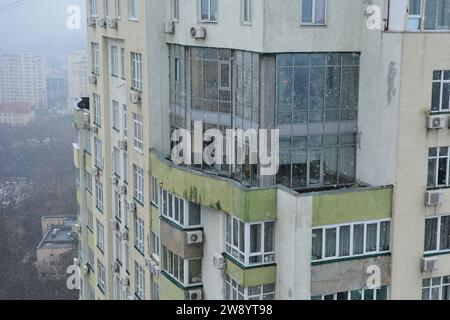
(219, 261)
(115, 267)
(76, 262)
(85, 269)
(94, 129)
(123, 189)
(169, 27)
(76, 228)
(92, 21)
(194, 237)
(114, 180)
(102, 22)
(135, 97)
(95, 172)
(429, 264)
(149, 263)
(113, 23)
(126, 282)
(93, 79)
(198, 32)
(115, 225)
(195, 294)
(124, 236)
(132, 207)
(123, 145)
(433, 198)
(156, 271)
(435, 122)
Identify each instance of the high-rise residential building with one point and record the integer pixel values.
(359, 207)
(57, 89)
(77, 77)
(23, 79)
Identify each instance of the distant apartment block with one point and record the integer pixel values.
(16, 114)
(57, 89)
(57, 249)
(360, 95)
(77, 77)
(23, 79)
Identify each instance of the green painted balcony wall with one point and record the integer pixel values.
(251, 276)
(354, 205)
(247, 204)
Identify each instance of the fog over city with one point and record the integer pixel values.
(39, 26)
(40, 86)
(218, 150)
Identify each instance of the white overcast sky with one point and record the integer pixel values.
(40, 26)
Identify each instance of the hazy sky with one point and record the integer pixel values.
(40, 26)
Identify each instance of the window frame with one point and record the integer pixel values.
(181, 272)
(169, 210)
(114, 61)
(140, 282)
(117, 8)
(155, 191)
(352, 225)
(175, 10)
(100, 232)
(209, 18)
(136, 71)
(118, 206)
(436, 159)
(235, 291)
(441, 81)
(116, 162)
(122, 63)
(133, 10)
(313, 14)
(139, 236)
(430, 286)
(98, 153)
(155, 245)
(245, 256)
(364, 291)
(101, 277)
(95, 51)
(93, 8)
(438, 235)
(116, 115)
(247, 6)
(106, 8)
(138, 184)
(97, 110)
(99, 194)
(138, 132)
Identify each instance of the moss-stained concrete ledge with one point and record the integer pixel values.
(251, 277)
(169, 290)
(349, 205)
(224, 194)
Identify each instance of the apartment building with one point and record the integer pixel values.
(16, 114)
(23, 79)
(358, 92)
(57, 89)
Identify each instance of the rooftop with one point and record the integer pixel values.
(58, 237)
